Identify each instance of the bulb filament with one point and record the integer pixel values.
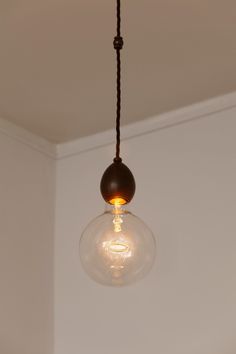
(117, 221)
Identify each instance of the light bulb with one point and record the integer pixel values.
(117, 248)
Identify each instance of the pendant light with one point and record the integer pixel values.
(117, 248)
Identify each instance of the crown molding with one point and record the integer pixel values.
(180, 116)
(163, 121)
(27, 138)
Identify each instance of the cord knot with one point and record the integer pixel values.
(118, 42)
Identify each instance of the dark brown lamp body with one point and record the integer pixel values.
(117, 183)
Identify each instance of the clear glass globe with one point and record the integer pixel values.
(117, 248)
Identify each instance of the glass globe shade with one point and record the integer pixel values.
(117, 248)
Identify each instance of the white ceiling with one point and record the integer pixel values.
(57, 64)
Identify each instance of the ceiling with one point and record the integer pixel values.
(57, 64)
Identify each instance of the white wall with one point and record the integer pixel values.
(27, 184)
(186, 193)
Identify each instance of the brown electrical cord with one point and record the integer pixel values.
(118, 183)
(118, 45)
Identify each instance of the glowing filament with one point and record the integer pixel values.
(117, 223)
(117, 247)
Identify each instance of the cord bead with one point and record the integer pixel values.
(118, 43)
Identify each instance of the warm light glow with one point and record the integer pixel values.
(116, 253)
(118, 201)
(117, 247)
(117, 223)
